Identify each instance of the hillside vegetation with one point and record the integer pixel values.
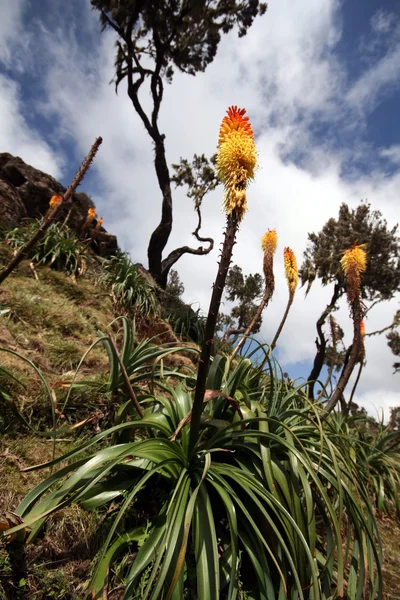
(49, 320)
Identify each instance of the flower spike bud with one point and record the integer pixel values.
(236, 159)
(99, 224)
(291, 271)
(269, 242)
(55, 201)
(91, 215)
(354, 262)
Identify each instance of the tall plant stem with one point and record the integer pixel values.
(353, 391)
(226, 255)
(49, 218)
(350, 364)
(263, 304)
(279, 330)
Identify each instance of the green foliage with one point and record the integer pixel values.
(196, 31)
(270, 503)
(395, 419)
(375, 452)
(60, 248)
(247, 290)
(199, 176)
(361, 225)
(187, 323)
(130, 289)
(393, 338)
(174, 289)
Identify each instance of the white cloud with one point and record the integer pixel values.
(380, 49)
(392, 153)
(382, 21)
(378, 80)
(15, 133)
(10, 27)
(285, 72)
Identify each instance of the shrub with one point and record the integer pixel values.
(187, 323)
(129, 288)
(60, 248)
(267, 503)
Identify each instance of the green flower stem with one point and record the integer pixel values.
(226, 255)
(278, 333)
(49, 218)
(262, 305)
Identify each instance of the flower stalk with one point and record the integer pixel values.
(268, 243)
(292, 278)
(236, 164)
(52, 213)
(354, 263)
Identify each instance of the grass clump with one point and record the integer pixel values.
(60, 248)
(129, 288)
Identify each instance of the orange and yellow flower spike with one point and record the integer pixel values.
(354, 262)
(55, 201)
(91, 215)
(99, 224)
(291, 271)
(269, 241)
(236, 159)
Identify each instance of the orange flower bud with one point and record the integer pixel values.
(55, 201)
(291, 271)
(91, 215)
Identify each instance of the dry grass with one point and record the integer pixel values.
(389, 528)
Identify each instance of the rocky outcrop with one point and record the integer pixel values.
(26, 192)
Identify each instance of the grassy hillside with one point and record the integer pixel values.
(51, 319)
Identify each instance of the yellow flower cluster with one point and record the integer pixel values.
(269, 242)
(291, 271)
(354, 262)
(236, 159)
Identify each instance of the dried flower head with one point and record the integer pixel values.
(236, 159)
(268, 243)
(333, 328)
(55, 201)
(354, 262)
(291, 271)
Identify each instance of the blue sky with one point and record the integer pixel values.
(321, 83)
